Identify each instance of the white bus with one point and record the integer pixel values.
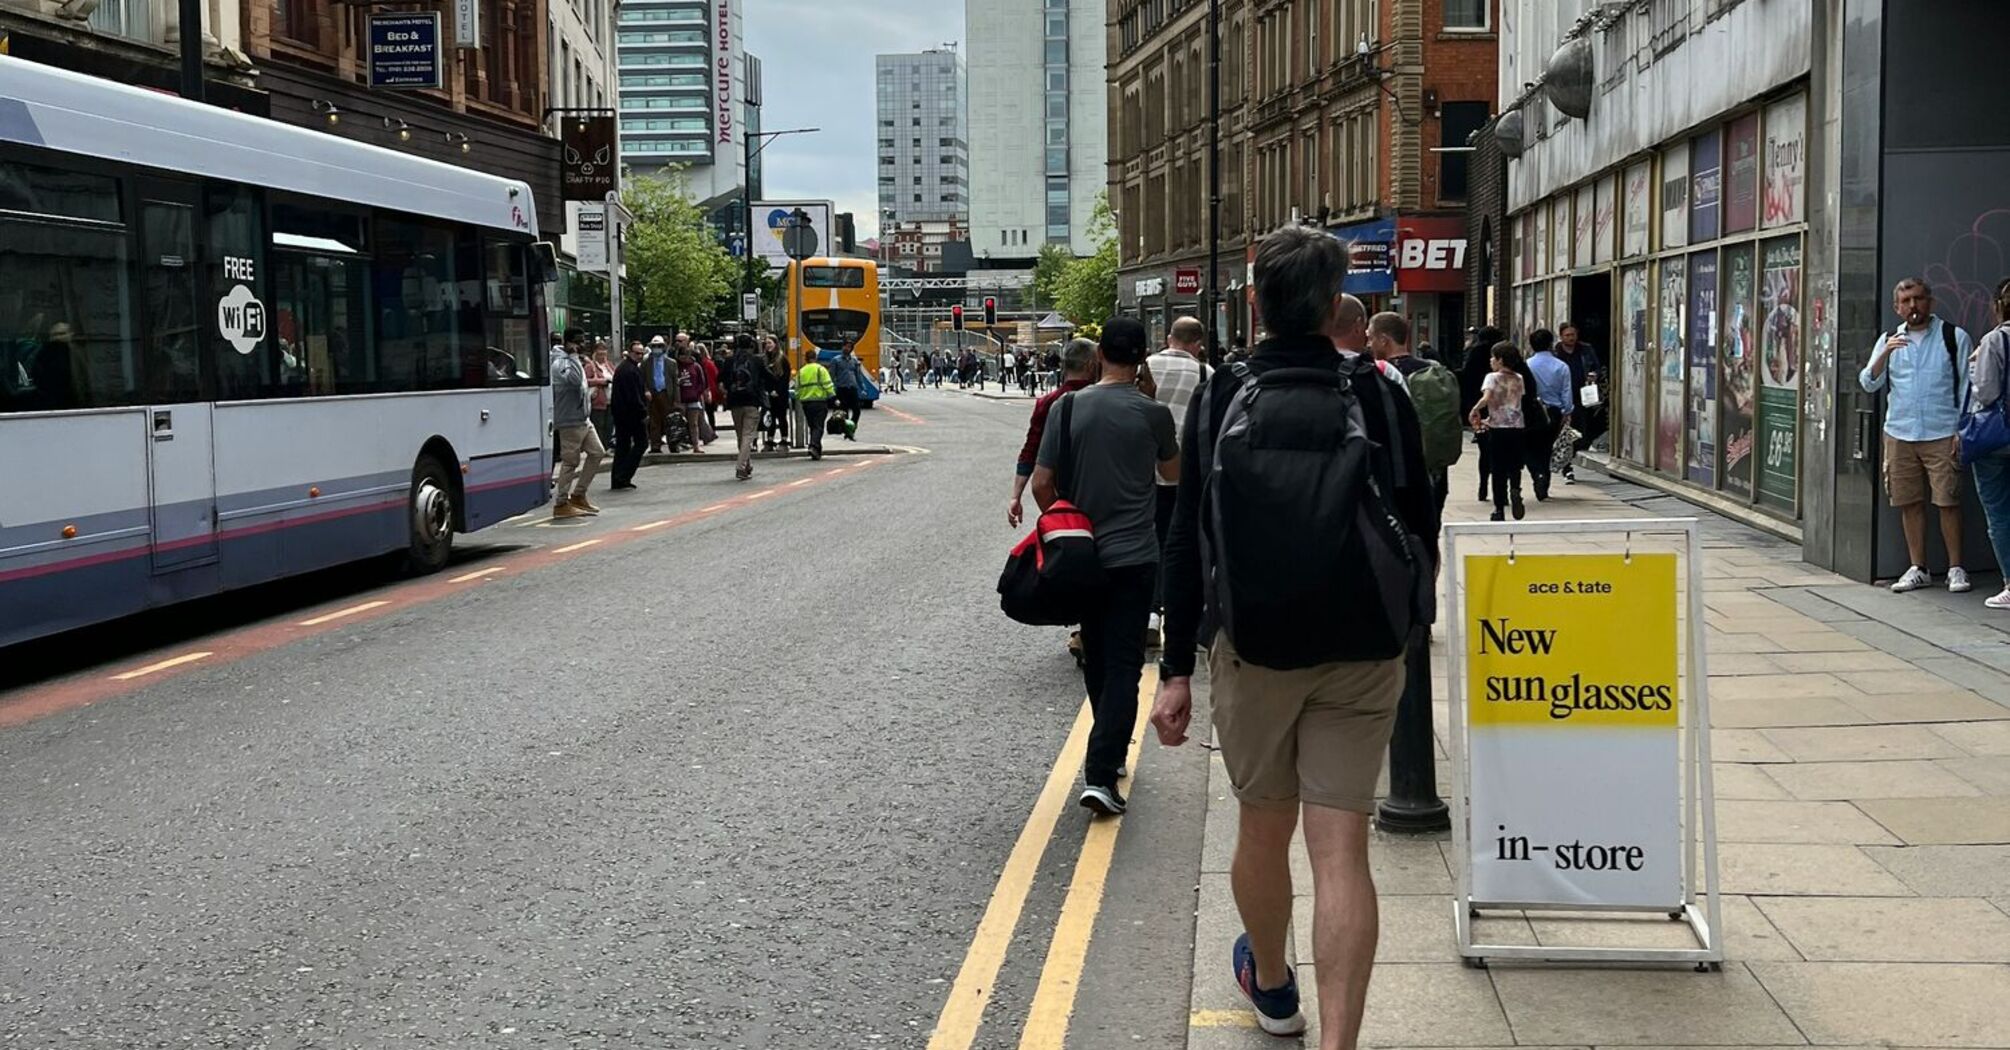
(232, 350)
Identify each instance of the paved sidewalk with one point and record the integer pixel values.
(1862, 762)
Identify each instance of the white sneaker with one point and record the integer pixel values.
(1957, 580)
(1914, 578)
(2000, 601)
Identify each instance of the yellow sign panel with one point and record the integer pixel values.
(1571, 640)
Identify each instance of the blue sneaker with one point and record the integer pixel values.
(1276, 1008)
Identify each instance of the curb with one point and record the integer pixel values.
(667, 459)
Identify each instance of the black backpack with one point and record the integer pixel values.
(743, 382)
(1306, 560)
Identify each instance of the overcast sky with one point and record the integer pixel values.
(817, 69)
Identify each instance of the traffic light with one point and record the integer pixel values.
(956, 317)
(990, 312)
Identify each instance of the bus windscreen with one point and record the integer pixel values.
(835, 329)
(833, 277)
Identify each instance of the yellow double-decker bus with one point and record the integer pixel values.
(834, 302)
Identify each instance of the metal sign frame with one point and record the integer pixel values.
(1699, 906)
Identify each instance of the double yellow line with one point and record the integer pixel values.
(1053, 1004)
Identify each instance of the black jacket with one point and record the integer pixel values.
(1472, 374)
(1185, 590)
(626, 399)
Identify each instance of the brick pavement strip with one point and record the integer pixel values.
(1862, 758)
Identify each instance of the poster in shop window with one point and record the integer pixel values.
(1738, 378)
(1668, 403)
(1702, 338)
(1741, 174)
(1559, 304)
(1601, 223)
(1638, 201)
(1706, 187)
(1675, 196)
(1786, 162)
(1541, 239)
(1559, 231)
(1635, 338)
(1525, 248)
(1581, 239)
(1779, 370)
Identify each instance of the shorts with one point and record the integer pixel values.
(1316, 735)
(1911, 468)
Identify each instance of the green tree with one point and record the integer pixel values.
(677, 272)
(1049, 272)
(1088, 287)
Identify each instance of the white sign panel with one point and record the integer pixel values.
(1574, 739)
(592, 230)
(771, 219)
(467, 23)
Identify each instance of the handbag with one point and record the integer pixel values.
(1985, 432)
(1588, 396)
(1564, 452)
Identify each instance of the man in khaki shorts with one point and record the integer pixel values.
(1924, 363)
(1307, 732)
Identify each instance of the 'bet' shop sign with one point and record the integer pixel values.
(1430, 255)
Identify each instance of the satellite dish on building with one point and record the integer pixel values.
(1568, 78)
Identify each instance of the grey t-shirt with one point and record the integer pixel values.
(1120, 437)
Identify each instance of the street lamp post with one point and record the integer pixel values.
(747, 196)
(1214, 179)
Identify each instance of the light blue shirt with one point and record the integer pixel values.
(1926, 390)
(1552, 381)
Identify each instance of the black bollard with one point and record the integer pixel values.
(1413, 806)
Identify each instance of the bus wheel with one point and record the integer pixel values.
(431, 517)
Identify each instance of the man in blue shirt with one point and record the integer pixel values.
(1924, 362)
(1552, 387)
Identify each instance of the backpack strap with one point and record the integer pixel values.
(1358, 368)
(1949, 336)
(1064, 470)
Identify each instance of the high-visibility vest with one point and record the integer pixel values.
(814, 383)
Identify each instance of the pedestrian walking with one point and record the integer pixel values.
(1921, 362)
(1078, 363)
(1473, 372)
(599, 374)
(1177, 373)
(776, 429)
(848, 375)
(579, 447)
(1434, 393)
(1586, 371)
(659, 378)
(746, 393)
(1499, 418)
(715, 394)
(1988, 369)
(1117, 442)
(815, 390)
(691, 393)
(1552, 388)
(628, 409)
(1313, 611)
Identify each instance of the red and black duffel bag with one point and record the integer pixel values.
(1054, 577)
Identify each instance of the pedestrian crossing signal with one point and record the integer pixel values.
(956, 317)
(990, 312)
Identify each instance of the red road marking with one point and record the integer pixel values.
(87, 688)
(897, 413)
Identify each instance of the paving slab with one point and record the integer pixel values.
(1944, 871)
(1848, 743)
(1744, 745)
(1916, 778)
(1747, 934)
(1778, 686)
(1433, 1004)
(1416, 929)
(1810, 870)
(1907, 1004)
(1728, 665)
(1737, 780)
(1938, 706)
(1640, 1007)
(1911, 680)
(1990, 773)
(1978, 738)
(1942, 821)
(1891, 929)
(1846, 664)
(1734, 712)
(1744, 820)
(1822, 641)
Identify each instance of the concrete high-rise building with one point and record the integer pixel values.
(1038, 123)
(924, 154)
(683, 91)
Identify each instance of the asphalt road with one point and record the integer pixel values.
(746, 778)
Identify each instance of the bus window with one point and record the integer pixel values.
(833, 277)
(510, 356)
(170, 343)
(425, 330)
(239, 292)
(320, 325)
(835, 329)
(66, 338)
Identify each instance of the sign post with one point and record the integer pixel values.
(1579, 742)
(617, 218)
(405, 50)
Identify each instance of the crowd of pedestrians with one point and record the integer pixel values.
(665, 396)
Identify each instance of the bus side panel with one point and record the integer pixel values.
(86, 472)
(308, 484)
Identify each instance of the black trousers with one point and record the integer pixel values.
(631, 439)
(1162, 522)
(1504, 451)
(1541, 434)
(814, 415)
(1113, 662)
(1486, 461)
(1591, 425)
